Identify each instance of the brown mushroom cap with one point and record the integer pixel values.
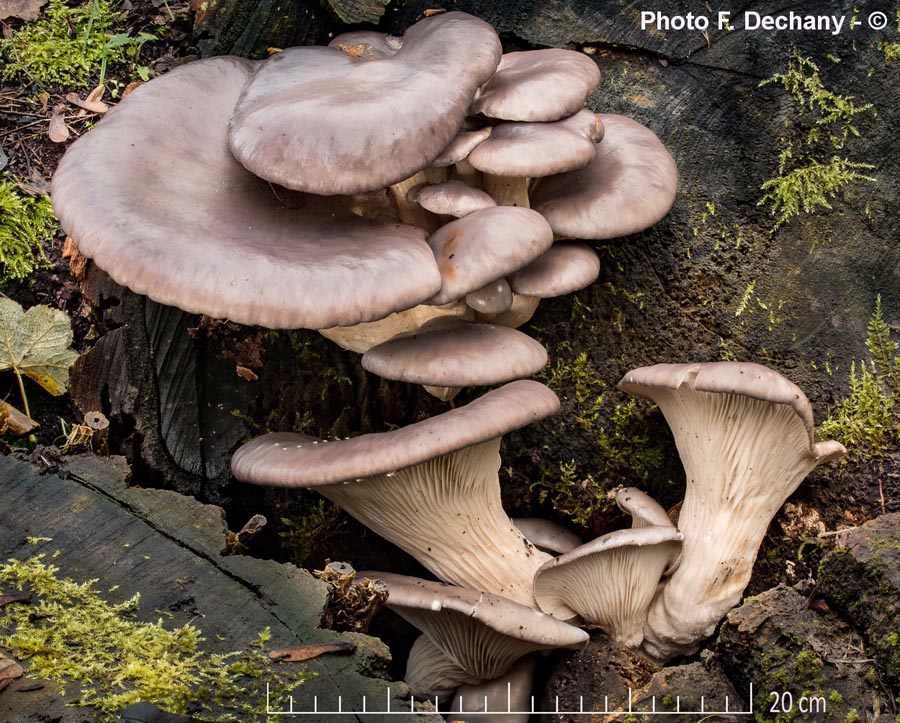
(609, 581)
(154, 197)
(566, 267)
(485, 246)
(313, 119)
(448, 352)
(483, 634)
(538, 85)
(628, 186)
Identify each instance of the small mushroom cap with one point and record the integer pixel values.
(532, 149)
(495, 298)
(452, 353)
(461, 146)
(367, 44)
(628, 186)
(481, 632)
(538, 85)
(154, 197)
(609, 581)
(485, 246)
(566, 267)
(644, 510)
(313, 119)
(451, 198)
(288, 460)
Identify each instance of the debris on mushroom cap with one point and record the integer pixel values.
(431, 674)
(547, 535)
(367, 44)
(628, 186)
(538, 85)
(495, 298)
(315, 120)
(564, 268)
(744, 435)
(452, 353)
(532, 149)
(484, 634)
(609, 581)
(461, 146)
(276, 459)
(644, 510)
(510, 692)
(451, 198)
(485, 246)
(153, 196)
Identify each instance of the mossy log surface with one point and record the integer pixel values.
(169, 549)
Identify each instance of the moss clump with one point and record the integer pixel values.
(25, 225)
(108, 660)
(809, 174)
(867, 421)
(69, 45)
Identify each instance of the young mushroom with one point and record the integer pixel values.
(745, 437)
(431, 488)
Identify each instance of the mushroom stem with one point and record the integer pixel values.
(492, 699)
(411, 212)
(467, 173)
(507, 190)
(445, 394)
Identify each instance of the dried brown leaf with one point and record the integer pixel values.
(308, 652)
(92, 103)
(9, 671)
(26, 10)
(15, 597)
(245, 373)
(58, 131)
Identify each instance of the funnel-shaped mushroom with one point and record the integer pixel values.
(609, 581)
(745, 437)
(431, 488)
(155, 198)
(482, 633)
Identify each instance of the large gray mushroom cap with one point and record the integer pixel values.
(628, 186)
(452, 353)
(483, 634)
(538, 85)
(314, 119)
(155, 198)
(283, 459)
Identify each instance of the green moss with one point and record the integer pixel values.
(891, 50)
(70, 45)
(103, 658)
(305, 537)
(867, 421)
(25, 225)
(809, 173)
(852, 716)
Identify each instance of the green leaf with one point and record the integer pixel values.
(118, 40)
(35, 343)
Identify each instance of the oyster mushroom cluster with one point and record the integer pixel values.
(426, 185)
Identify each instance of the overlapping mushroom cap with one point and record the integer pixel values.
(153, 195)
(316, 120)
(745, 436)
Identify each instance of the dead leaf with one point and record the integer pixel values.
(35, 343)
(26, 10)
(245, 373)
(9, 671)
(58, 131)
(130, 88)
(308, 652)
(77, 260)
(92, 103)
(16, 597)
(44, 98)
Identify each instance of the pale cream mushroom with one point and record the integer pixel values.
(745, 437)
